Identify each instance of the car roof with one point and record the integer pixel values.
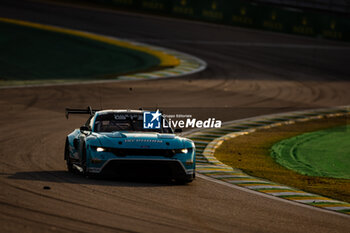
(119, 111)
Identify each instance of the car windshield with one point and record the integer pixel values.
(111, 122)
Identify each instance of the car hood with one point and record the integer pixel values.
(143, 140)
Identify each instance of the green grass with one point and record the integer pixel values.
(251, 153)
(323, 153)
(34, 54)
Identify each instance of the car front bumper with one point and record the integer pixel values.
(123, 167)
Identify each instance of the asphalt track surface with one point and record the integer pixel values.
(249, 73)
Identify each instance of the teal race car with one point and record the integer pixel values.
(123, 144)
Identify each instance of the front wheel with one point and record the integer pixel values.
(67, 158)
(86, 173)
(186, 180)
(83, 162)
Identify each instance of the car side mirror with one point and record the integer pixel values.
(178, 130)
(84, 128)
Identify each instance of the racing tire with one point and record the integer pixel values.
(70, 167)
(84, 166)
(186, 180)
(83, 162)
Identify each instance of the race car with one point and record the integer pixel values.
(120, 143)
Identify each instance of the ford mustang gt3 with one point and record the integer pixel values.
(117, 142)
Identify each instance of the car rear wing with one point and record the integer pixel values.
(88, 110)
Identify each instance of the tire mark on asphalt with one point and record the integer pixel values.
(41, 223)
(85, 206)
(65, 217)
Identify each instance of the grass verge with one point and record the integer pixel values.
(34, 52)
(251, 153)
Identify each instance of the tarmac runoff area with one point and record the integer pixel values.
(321, 153)
(35, 54)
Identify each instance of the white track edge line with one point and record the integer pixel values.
(271, 197)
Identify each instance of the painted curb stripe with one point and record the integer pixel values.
(311, 201)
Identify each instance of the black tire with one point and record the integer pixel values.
(186, 180)
(67, 158)
(83, 162)
(183, 181)
(84, 167)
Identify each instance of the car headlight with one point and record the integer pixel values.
(100, 149)
(184, 151)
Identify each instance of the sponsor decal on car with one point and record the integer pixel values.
(143, 140)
